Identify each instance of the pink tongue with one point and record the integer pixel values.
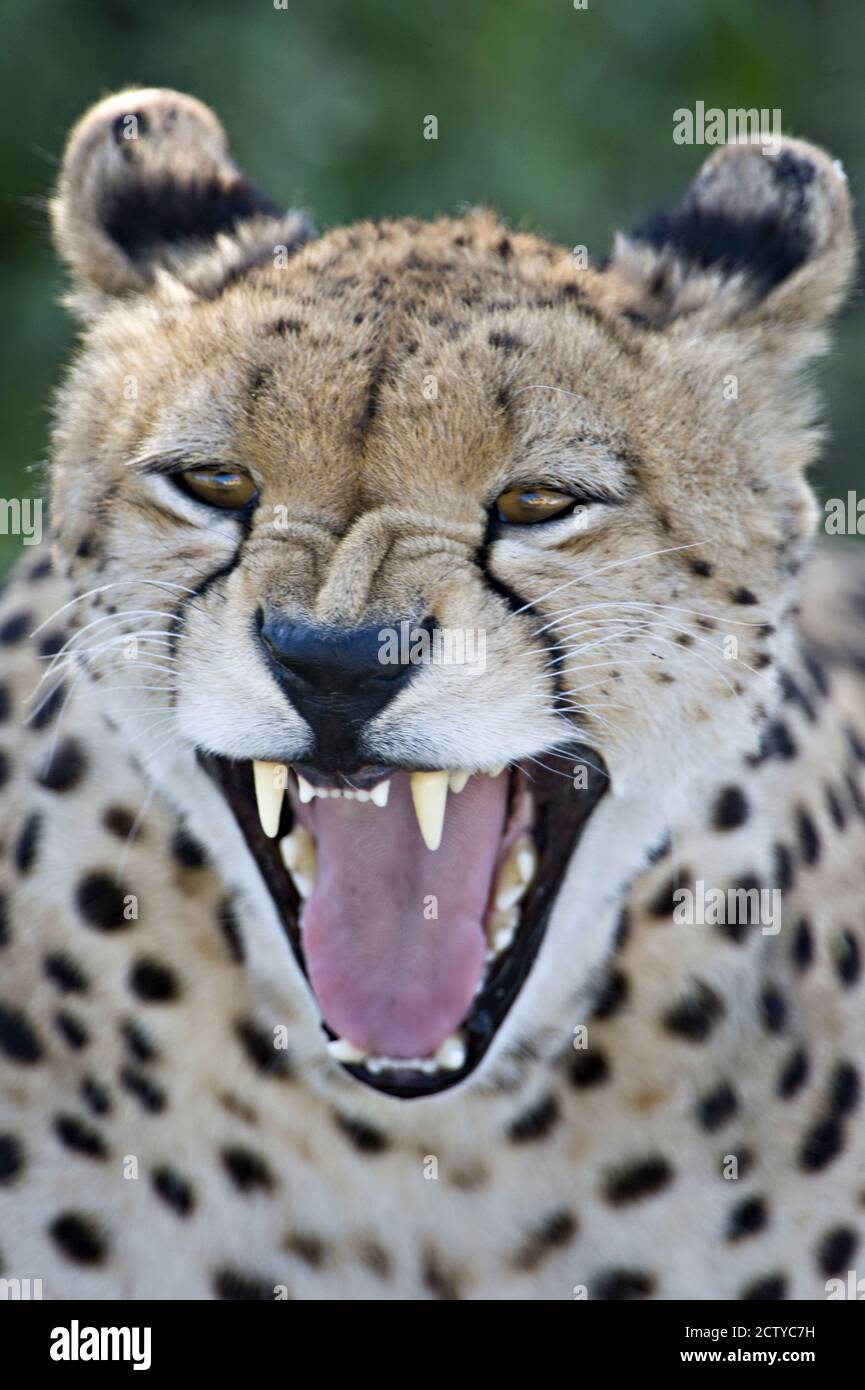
(393, 933)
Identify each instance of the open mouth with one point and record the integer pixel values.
(415, 899)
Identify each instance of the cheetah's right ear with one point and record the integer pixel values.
(147, 182)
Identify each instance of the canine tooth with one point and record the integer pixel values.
(429, 792)
(457, 780)
(269, 779)
(527, 859)
(516, 873)
(381, 793)
(299, 857)
(304, 789)
(496, 769)
(343, 1051)
(452, 1053)
(501, 930)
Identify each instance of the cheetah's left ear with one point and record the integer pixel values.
(147, 182)
(763, 236)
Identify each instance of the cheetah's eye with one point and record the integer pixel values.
(228, 488)
(526, 508)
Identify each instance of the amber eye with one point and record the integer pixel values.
(219, 487)
(525, 508)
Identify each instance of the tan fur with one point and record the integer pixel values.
(384, 384)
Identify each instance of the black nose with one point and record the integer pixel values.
(341, 674)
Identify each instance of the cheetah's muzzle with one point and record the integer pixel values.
(415, 900)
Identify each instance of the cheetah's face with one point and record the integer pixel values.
(421, 538)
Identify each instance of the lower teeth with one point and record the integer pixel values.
(450, 1056)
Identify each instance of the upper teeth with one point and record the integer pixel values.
(429, 792)
(269, 781)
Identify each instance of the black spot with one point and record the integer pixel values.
(747, 1218)
(48, 708)
(637, 1181)
(556, 1230)
(803, 944)
(138, 1041)
(848, 957)
(18, 1038)
(84, 548)
(71, 1030)
(694, 1017)
(504, 248)
(11, 1158)
(535, 1123)
(65, 973)
(809, 841)
(258, 1044)
(4, 921)
(624, 1284)
(174, 1190)
(821, 1145)
(744, 596)
(40, 570)
(15, 628)
(702, 568)
(775, 742)
(79, 1136)
(153, 981)
(613, 995)
(836, 1251)
(835, 808)
(119, 821)
(4, 768)
(28, 843)
(240, 1287)
(311, 1249)
(442, 1283)
(95, 1096)
(79, 1238)
(793, 1074)
(66, 767)
(718, 1106)
(844, 1089)
(364, 1137)
(230, 928)
(589, 1069)
(187, 851)
(664, 903)
(246, 1169)
(101, 902)
(768, 1289)
(784, 873)
(5, 702)
(506, 341)
(282, 327)
(145, 1091)
(731, 809)
(773, 1009)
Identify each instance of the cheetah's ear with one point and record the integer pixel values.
(147, 182)
(763, 236)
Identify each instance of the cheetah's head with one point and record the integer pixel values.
(419, 559)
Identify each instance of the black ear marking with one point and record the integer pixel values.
(170, 210)
(766, 248)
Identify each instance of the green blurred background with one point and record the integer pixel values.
(560, 117)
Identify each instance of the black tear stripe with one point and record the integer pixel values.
(517, 604)
(179, 613)
(166, 209)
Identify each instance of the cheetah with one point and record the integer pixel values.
(433, 752)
